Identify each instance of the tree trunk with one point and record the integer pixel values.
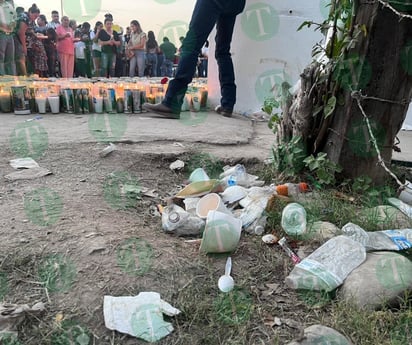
(383, 78)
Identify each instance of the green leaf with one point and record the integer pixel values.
(330, 107)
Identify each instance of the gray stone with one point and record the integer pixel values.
(381, 280)
(318, 335)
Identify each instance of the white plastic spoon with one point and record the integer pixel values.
(226, 282)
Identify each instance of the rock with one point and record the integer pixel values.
(318, 334)
(381, 279)
(385, 217)
(323, 230)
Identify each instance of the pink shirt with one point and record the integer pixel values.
(66, 45)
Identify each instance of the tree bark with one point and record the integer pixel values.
(387, 89)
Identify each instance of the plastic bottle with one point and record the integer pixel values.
(328, 266)
(176, 220)
(379, 240)
(292, 189)
(294, 219)
(259, 225)
(289, 251)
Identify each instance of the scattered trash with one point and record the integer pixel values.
(233, 193)
(222, 233)
(237, 175)
(379, 240)
(107, 150)
(226, 282)
(24, 163)
(402, 206)
(177, 165)
(210, 202)
(198, 175)
(198, 188)
(180, 222)
(140, 316)
(295, 258)
(327, 267)
(294, 219)
(270, 239)
(34, 118)
(28, 174)
(405, 194)
(11, 315)
(292, 189)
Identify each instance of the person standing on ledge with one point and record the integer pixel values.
(206, 15)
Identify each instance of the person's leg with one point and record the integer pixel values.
(224, 32)
(70, 65)
(3, 44)
(132, 66)
(104, 62)
(63, 65)
(10, 64)
(204, 17)
(112, 64)
(141, 62)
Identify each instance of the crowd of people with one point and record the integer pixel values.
(30, 44)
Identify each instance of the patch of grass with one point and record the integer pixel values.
(212, 165)
(365, 327)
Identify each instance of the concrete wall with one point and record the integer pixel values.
(268, 50)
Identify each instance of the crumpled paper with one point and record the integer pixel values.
(140, 316)
(11, 315)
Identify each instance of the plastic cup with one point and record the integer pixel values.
(41, 104)
(210, 202)
(54, 102)
(198, 175)
(221, 234)
(98, 104)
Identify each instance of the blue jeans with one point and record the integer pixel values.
(207, 14)
(151, 59)
(167, 68)
(139, 60)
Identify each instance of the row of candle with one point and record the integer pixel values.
(45, 91)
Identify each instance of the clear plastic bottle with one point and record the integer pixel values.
(292, 189)
(259, 225)
(294, 219)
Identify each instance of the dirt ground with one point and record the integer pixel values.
(92, 229)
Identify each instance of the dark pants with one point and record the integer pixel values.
(207, 14)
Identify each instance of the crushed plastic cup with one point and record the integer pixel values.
(198, 175)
